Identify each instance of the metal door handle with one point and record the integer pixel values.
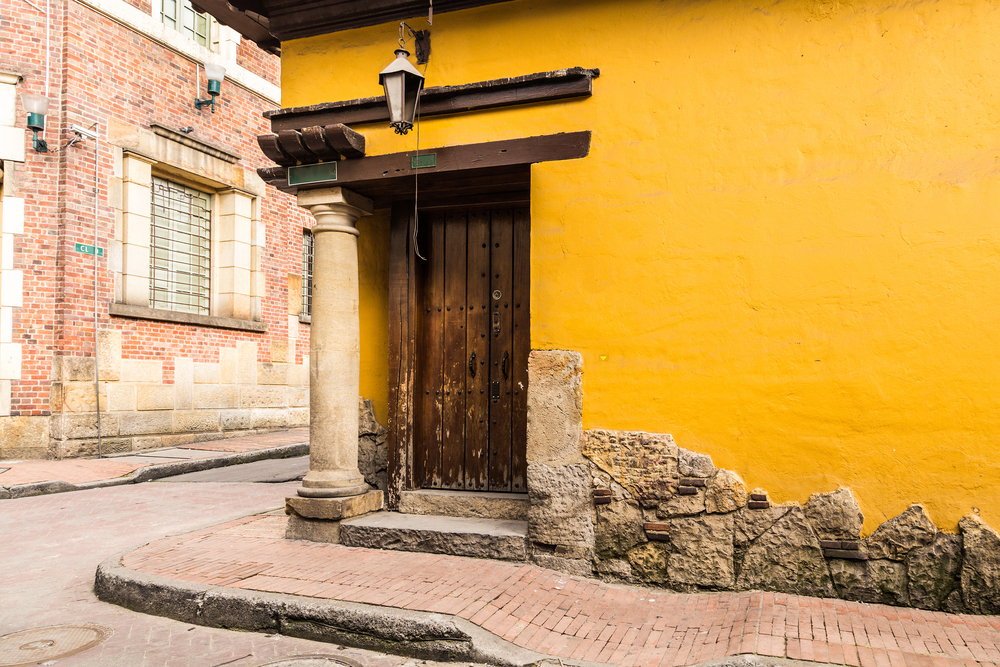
(503, 365)
(472, 364)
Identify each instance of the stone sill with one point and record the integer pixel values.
(305, 319)
(145, 313)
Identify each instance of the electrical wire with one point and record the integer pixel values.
(97, 367)
(416, 185)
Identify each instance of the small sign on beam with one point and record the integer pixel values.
(308, 174)
(89, 249)
(424, 161)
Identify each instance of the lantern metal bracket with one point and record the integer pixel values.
(422, 41)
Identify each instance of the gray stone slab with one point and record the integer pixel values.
(458, 536)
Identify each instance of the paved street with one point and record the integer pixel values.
(53, 544)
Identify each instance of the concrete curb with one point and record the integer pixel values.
(417, 634)
(156, 471)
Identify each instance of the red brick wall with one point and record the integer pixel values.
(100, 69)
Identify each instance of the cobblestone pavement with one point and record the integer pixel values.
(573, 617)
(52, 545)
(80, 471)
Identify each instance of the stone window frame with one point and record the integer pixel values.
(238, 235)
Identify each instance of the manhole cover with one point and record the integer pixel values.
(311, 661)
(30, 647)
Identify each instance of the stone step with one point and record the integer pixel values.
(471, 504)
(457, 536)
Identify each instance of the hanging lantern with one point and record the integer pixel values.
(402, 83)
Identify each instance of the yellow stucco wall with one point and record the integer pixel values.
(783, 247)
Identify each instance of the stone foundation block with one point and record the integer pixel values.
(154, 397)
(702, 551)
(334, 509)
(560, 512)
(835, 515)
(195, 421)
(555, 406)
(216, 396)
(314, 530)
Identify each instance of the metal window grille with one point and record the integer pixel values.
(182, 17)
(180, 248)
(307, 272)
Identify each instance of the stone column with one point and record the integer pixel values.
(334, 345)
(333, 489)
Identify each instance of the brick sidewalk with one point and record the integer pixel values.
(80, 471)
(572, 617)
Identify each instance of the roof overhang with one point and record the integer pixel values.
(270, 22)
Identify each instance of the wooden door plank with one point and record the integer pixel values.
(520, 297)
(501, 324)
(429, 417)
(400, 351)
(477, 405)
(455, 361)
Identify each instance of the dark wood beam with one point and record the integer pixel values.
(252, 25)
(294, 19)
(441, 100)
(311, 145)
(460, 173)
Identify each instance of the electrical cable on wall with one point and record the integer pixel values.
(93, 132)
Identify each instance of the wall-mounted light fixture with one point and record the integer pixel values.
(403, 83)
(215, 75)
(36, 106)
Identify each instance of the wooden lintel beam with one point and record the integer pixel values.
(376, 169)
(441, 100)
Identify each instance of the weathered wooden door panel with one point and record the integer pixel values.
(477, 406)
(471, 381)
(455, 369)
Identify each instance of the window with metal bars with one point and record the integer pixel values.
(180, 248)
(182, 17)
(307, 272)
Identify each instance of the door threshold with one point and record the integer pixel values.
(469, 504)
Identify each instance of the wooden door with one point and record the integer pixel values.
(471, 349)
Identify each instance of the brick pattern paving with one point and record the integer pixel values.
(74, 471)
(253, 443)
(80, 471)
(573, 617)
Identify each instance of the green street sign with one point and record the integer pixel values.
(308, 174)
(423, 161)
(89, 249)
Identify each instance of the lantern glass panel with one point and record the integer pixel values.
(35, 103)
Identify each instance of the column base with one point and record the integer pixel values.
(333, 509)
(318, 519)
(342, 492)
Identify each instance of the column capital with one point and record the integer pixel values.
(335, 209)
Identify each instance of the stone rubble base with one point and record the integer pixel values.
(667, 516)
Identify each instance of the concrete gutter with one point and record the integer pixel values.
(417, 634)
(156, 471)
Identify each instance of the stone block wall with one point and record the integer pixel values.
(148, 403)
